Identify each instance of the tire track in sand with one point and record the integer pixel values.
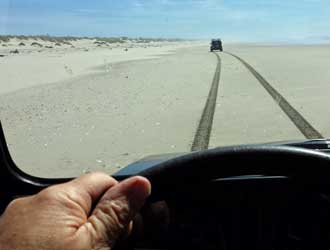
(203, 132)
(299, 121)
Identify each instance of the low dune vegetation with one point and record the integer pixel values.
(27, 44)
(36, 44)
(68, 39)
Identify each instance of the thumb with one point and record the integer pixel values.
(115, 210)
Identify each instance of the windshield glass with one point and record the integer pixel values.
(97, 85)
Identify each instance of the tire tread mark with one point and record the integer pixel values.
(202, 135)
(299, 121)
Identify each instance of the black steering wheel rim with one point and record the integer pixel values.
(309, 167)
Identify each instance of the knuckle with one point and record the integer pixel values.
(114, 212)
(109, 221)
(14, 204)
(61, 195)
(98, 175)
(118, 208)
(48, 194)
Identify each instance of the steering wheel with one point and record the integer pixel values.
(308, 169)
(304, 166)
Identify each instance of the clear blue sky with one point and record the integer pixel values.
(234, 20)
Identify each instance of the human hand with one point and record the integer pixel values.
(89, 213)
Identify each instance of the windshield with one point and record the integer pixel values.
(97, 85)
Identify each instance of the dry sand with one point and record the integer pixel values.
(106, 119)
(301, 73)
(35, 65)
(245, 113)
(117, 106)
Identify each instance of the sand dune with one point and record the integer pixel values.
(31, 62)
(69, 111)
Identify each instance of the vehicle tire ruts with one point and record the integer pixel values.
(202, 135)
(299, 121)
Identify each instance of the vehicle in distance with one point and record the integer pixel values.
(216, 44)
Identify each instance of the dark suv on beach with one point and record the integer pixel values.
(216, 44)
